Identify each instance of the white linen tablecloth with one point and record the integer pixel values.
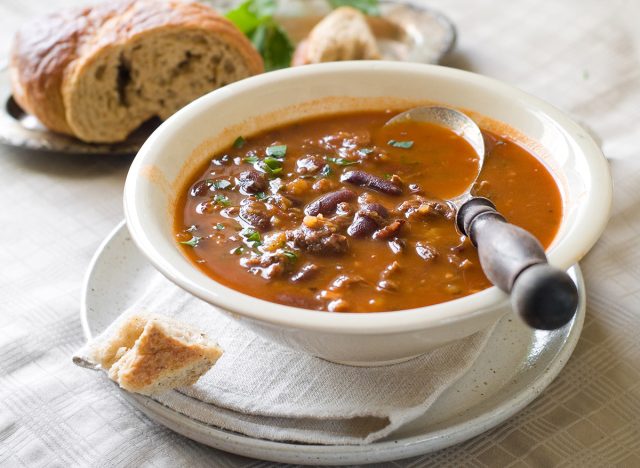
(582, 56)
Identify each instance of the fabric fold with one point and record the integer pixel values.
(267, 391)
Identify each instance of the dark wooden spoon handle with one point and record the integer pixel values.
(514, 260)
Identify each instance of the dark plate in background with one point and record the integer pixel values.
(409, 32)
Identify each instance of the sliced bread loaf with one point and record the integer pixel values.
(98, 73)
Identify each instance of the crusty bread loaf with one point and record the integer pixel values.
(150, 354)
(342, 35)
(98, 73)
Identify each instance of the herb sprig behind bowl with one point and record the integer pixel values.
(255, 19)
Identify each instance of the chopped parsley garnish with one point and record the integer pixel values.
(277, 151)
(401, 144)
(271, 165)
(219, 184)
(342, 161)
(219, 226)
(251, 159)
(364, 151)
(239, 142)
(291, 256)
(221, 200)
(387, 176)
(326, 171)
(237, 251)
(261, 195)
(194, 241)
(252, 236)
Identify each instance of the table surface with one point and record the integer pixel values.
(582, 56)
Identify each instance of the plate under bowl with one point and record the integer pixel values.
(515, 367)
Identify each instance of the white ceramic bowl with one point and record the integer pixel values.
(185, 140)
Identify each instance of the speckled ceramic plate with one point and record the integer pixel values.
(514, 368)
(410, 33)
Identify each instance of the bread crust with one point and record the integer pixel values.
(160, 361)
(151, 354)
(49, 53)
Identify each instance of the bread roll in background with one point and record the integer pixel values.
(343, 34)
(97, 73)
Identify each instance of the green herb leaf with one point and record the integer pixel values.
(219, 227)
(255, 19)
(251, 159)
(291, 256)
(263, 8)
(277, 151)
(273, 44)
(365, 151)
(221, 184)
(250, 14)
(342, 161)
(194, 241)
(387, 176)
(272, 165)
(239, 142)
(252, 236)
(368, 7)
(237, 251)
(220, 199)
(401, 144)
(244, 19)
(261, 195)
(326, 171)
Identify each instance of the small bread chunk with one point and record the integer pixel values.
(154, 354)
(342, 35)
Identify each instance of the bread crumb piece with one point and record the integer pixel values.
(153, 354)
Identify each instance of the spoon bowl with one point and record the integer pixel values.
(512, 258)
(456, 121)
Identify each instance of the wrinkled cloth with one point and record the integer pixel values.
(281, 394)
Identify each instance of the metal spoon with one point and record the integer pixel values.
(513, 259)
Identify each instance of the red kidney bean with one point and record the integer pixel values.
(397, 246)
(328, 202)
(378, 208)
(255, 213)
(307, 271)
(367, 220)
(364, 179)
(201, 188)
(362, 226)
(391, 230)
(252, 182)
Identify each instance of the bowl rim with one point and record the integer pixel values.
(562, 254)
